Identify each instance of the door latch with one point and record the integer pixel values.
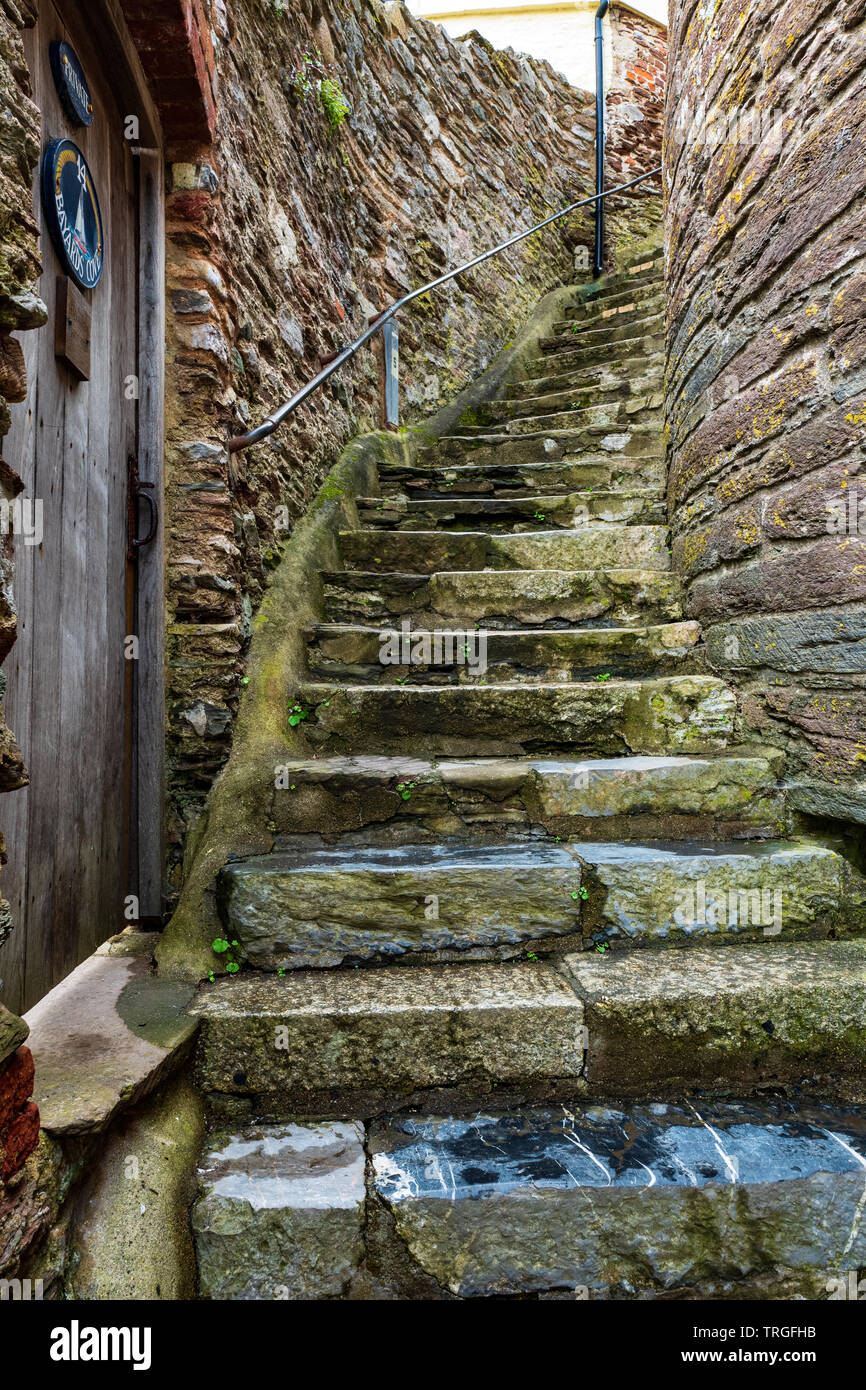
(140, 491)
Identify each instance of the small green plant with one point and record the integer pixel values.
(333, 102)
(602, 947)
(221, 947)
(581, 892)
(530, 955)
(297, 713)
(603, 676)
(405, 790)
(538, 516)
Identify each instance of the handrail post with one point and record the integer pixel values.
(599, 135)
(390, 375)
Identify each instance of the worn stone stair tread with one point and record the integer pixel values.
(666, 715)
(582, 378)
(738, 1199)
(355, 651)
(305, 908)
(777, 1013)
(531, 598)
(635, 797)
(599, 545)
(357, 1037)
(636, 505)
(712, 890)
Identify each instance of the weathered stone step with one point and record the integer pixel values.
(742, 1199)
(558, 475)
(350, 652)
(506, 598)
(629, 298)
(616, 412)
(602, 374)
(352, 1042)
(731, 795)
(530, 446)
(430, 552)
(783, 1012)
(332, 906)
(644, 506)
(610, 409)
(570, 396)
(616, 330)
(698, 891)
(672, 714)
(572, 352)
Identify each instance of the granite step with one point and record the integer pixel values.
(351, 652)
(618, 411)
(732, 795)
(609, 390)
(672, 714)
(615, 331)
(506, 598)
(498, 515)
(695, 1200)
(432, 552)
(326, 907)
(355, 1042)
(649, 297)
(776, 1014)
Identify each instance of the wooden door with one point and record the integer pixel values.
(70, 835)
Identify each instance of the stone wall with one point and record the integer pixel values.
(767, 369)
(283, 239)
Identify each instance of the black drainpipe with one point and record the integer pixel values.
(599, 135)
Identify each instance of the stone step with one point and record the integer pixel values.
(601, 374)
(496, 515)
(779, 1013)
(672, 714)
(617, 412)
(350, 652)
(611, 410)
(617, 330)
(352, 1042)
(572, 353)
(506, 598)
(431, 552)
(731, 795)
(557, 474)
(335, 906)
(698, 1200)
(624, 389)
(649, 298)
(651, 894)
(530, 446)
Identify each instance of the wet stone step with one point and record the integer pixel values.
(672, 714)
(448, 479)
(445, 902)
(622, 300)
(644, 387)
(506, 598)
(656, 893)
(587, 548)
(735, 1200)
(354, 1042)
(630, 798)
(618, 411)
(418, 656)
(615, 330)
(488, 446)
(638, 506)
(606, 375)
(570, 351)
(775, 1014)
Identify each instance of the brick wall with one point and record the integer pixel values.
(766, 127)
(635, 62)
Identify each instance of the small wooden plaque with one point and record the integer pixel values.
(72, 328)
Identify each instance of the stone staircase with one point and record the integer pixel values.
(531, 875)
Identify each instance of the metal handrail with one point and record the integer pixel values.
(599, 134)
(273, 421)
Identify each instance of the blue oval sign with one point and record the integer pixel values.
(71, 83)
(72, 212)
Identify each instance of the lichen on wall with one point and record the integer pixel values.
(766, 404)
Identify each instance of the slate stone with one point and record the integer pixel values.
(281, 1211)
